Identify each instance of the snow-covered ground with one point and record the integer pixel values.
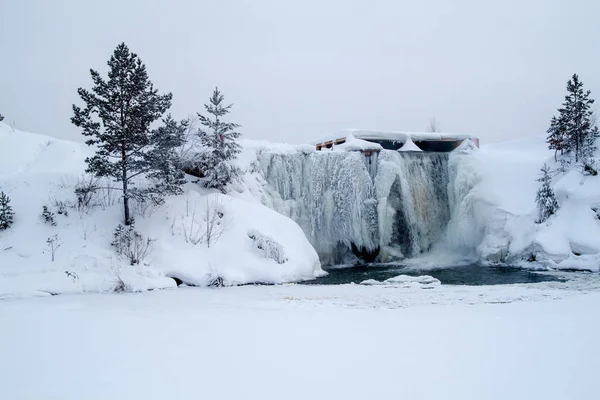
(494, 212)
(491, 192)
(306, 342)
(402, 338)
(37, 170)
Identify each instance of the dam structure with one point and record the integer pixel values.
(361, 200)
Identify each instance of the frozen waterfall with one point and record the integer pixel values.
(381, 207)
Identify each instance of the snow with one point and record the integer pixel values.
(492, 198)
(408, 337)
(354, 144)
(300, 342)
(409, 145)
(369, 134)
(37, 170)
(423, 281)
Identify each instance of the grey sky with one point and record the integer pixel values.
(299, 69)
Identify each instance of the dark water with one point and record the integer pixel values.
(474, 275)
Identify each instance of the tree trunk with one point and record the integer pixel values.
(127, 216)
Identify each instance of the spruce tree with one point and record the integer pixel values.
(575, 121)
(118, 115)
(547, 204)
(6, 212)
(219, 144)
(556, 136)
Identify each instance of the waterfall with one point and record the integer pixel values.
(382, 207)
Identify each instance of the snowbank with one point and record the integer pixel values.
(492, 195)
(37, 170)
(406, 281)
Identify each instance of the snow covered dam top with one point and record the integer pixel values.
(371, 140)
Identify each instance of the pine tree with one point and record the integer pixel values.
(588, 162)
(547, 204)
(570, 132)
(556, 136)
(6, 212)
(117, 116)
(219, 144)
(163, 158)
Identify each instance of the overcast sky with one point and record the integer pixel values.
(300, 69)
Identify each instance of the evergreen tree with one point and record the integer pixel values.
(547, 204)
(1, 117)
(556, 136)
(163, 159)
(218, 139)
(6, 212)
(589, 150)
(573, 131)
(117, 116)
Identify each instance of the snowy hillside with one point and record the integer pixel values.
(37, 171)
(492, 195)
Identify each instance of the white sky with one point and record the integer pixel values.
(299, 69)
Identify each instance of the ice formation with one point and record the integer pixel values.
(379, 207)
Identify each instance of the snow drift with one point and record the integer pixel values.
(37, 170)
(492, 198)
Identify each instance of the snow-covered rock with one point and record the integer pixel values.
(492, 198)
(405, 281)
(37, 170)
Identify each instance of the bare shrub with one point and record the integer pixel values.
(131, 244)
(119, 284)
(192, 232)
(269, 246)
(213, 221)
(86, 192)
(210, 228)
(53, 243)
(144, 207)
(108, 194)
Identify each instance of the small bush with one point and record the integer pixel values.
(269, 246)
(53, 243)
(589, 168)
(86, 191)
(131, 244)
(48, 216)
(62, 208)
(6, 212)
(120, 286)
(216, 281)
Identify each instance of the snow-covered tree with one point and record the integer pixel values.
(588, 161)
(219, 144)
(573, 132)
(6, 212)
(547, 204)
(163, 159)
(556, 136)
(118, 115)
(1, 117)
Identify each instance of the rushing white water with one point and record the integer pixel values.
(382, 207)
